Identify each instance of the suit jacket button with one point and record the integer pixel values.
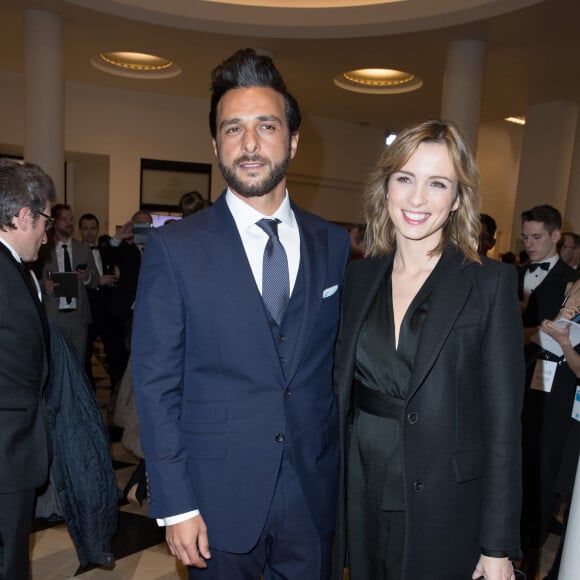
(281, 338)
(419, 485)
(282, 360)
(412, 418)
(279, 437)
(287, 392)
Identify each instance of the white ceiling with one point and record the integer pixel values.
(533, 52)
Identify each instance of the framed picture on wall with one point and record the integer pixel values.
(164, 182)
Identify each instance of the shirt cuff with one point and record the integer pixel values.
(171, 520)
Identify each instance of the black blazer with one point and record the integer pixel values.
(24, 446)
(460, 425)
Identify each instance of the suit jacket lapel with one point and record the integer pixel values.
(233, 267)
(313, 262)
(34, 295)
(450, 292)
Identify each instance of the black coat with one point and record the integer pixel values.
(81, 474)
(460, 425)
(24, 444)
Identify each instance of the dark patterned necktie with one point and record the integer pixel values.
(275, 277)
(67, 265)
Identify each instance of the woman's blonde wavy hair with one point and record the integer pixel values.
(462, 227)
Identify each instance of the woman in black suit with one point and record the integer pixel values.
(429, 374)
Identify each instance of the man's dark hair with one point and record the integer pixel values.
(361, 230)
(22, 185)
(191, 202)
(545, 214)
(489, 223)
(88, 216)
(246, 69)
(57, 208)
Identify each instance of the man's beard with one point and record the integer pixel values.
(256, 189)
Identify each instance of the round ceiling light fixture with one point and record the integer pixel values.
(378, 81)
(138, 65)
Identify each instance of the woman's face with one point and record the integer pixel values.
(422, 194)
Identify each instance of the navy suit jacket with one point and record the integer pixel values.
(211, 392)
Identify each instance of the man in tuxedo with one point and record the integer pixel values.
(72, 313)
(25, 193)
(100, 296)
(546, 413)
(236, 317)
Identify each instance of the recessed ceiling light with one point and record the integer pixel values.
(516, 120)
(135, 65)
(379, 81)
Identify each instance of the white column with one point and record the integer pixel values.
(462, 85)
(572, 209)
(44, 95)
(570, 565)
(546, 159)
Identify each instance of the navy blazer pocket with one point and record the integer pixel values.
(468, 465)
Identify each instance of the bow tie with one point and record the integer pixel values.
(535, 265)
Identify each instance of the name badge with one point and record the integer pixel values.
(576, 406)
(543, 376)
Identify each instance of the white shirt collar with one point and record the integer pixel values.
(12, 250)
(246, 216)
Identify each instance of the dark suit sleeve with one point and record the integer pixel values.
(157, 357)
(502, 390)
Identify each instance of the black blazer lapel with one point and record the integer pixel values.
(26, 277)
(450, 293)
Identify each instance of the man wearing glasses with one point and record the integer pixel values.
(25, 193)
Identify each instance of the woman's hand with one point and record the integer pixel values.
(493, 569)
(560, 335)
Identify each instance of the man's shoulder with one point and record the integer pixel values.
(565, 272)
(309, 219)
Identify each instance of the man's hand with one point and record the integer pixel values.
(493, 569)
(125, 231)
(188, 542)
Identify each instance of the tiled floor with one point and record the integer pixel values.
(139, 547)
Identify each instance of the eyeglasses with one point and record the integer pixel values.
(49, 221)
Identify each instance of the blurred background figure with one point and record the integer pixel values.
(63, 254)
(100, 296)
(357, 241)
(191, 202)
(570, 249)
(487, 234)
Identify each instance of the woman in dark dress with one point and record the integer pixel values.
(429, 375)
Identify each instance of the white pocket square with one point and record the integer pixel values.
(329, 291)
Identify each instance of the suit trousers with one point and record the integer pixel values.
(290, 546)
(16, 511)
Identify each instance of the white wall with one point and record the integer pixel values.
(121, 127)
(498, 157)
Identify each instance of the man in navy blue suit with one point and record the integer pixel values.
(232, 353)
